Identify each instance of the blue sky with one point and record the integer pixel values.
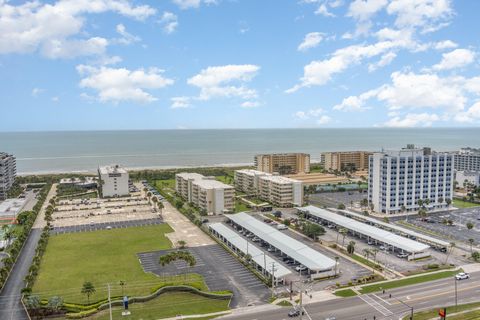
(118, 64)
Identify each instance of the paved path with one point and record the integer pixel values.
(10, 304)
(40, 222)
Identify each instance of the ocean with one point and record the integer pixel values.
(84, 151)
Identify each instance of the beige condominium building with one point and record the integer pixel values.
(283, 163)
(114, 181)
(206, 193)
(346, 160)
(278, 190)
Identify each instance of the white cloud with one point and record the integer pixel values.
(311, 40)
(312, 113)
(250, 104)
(54, 29)
(446, 44)
(455, 59)
(324, 119)
(412, 120)
(169, 22)
(323, 10)
(126, 38)
(36, 92)
(180, 102)
(364, 9)
(355, 103)
(189, 4)
(385, 60)
(55, 99)
(426, 14)
(225, 81)
(121, 84)
(471, 115)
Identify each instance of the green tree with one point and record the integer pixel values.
(160, 207)
(344, 232)
(181, 244)
(470, 225)
(55, 303)
(341, 206)
(450, 251)
(448, 201)
(312, 230)
(88, 289)
(177, 255)
(351, 247)
(476, 256)
(471, 242)
(155, 201)
(32, 302)
(178, 204)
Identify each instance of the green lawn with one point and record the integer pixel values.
(168, 305)
(240, 206)
(464, 204)
(104, 256)
(407, 281)
(345, 293)
(429, 314)
(161, 184)
(225, 179)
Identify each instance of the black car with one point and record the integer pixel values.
(295, 313)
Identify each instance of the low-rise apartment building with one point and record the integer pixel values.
(206, 193)
(283, 163)
(278, 190)
(113, 181)
(345, 160)
(465, 178)
(8, 173)
(399, 179)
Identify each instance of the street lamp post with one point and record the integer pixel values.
(456, 295)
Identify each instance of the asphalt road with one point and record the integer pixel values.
(10, 305)
(434, 294)
(106, 225)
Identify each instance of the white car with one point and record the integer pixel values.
(300, 268)
(462, 276)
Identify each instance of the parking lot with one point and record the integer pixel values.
(220, 270)
(106, 226)
(333, 199)
(439, 223)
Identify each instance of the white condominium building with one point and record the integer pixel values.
(278, 190)
(114, 181)
(246, 180)
(398, 179)
(283, 163)
(467, 159)
(8, 172)
(467, 177)
(206, 193)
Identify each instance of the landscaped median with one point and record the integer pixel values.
(469, 311)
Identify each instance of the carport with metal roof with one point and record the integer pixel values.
(364, 230)
(262, 261)
(313, 260)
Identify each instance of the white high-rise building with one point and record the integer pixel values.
(399, 179)
(114, 181)
(8, 172)
(467, 159)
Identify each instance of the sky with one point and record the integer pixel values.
(195, 64)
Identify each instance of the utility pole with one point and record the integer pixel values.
(273, 279)
(301, 304)
(456, 296)
(109, 302)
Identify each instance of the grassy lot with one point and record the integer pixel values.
(225, 179)
(162, 184)
(429, 314)
(88, 195)
(464, 204)
(408, 281)
(101, 257)
(240, 206)
(366, 262)
(345, 293)
(166, 306)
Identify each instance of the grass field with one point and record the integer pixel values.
(240, 206)
(408, 281)
(429, 314)
(101, 257)
(464, 204)
(161, 184)
(225, 179)
(345, 293)
(168, 306)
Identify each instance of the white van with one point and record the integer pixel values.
(282, 227)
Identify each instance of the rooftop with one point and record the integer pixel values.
(11, 207)
(279, 179)
(115, 168)
(252, 172)
(297, 250)
(190, 175)
(378, 234)
(206, 183)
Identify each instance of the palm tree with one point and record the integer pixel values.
(344, 232)
(149, 195)
(155, 201)
(181, 244)
(88, 289)
(470, 225)
(471, 242)
(448, 202)
(449, 252)
(374, 253)
(55, 303)
(351, 247)
(160, 207)
(366, 253)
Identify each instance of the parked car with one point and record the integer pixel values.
(295, 313)
(282, 227)
(402, 255)
(331, 318)
(462, 276)
(382, 247)
(256, 239)
(109, 228)
(300, 268)
(370, 243)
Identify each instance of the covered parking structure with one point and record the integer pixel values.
(431, 241)
(262, 261)
(318, 265)
(414, 249)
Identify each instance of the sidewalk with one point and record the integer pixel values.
(193, 316)
(40, 222)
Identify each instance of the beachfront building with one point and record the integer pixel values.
(467, 159)
(278, 190)
(345, 160)
(246, 180)
(399, 179)
(113, 181)
(467, 178)
(283, 163)
(206, 193)
(8, 173)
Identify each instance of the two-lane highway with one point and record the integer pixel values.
(390, 305)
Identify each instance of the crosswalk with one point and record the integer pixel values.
(379, 304)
